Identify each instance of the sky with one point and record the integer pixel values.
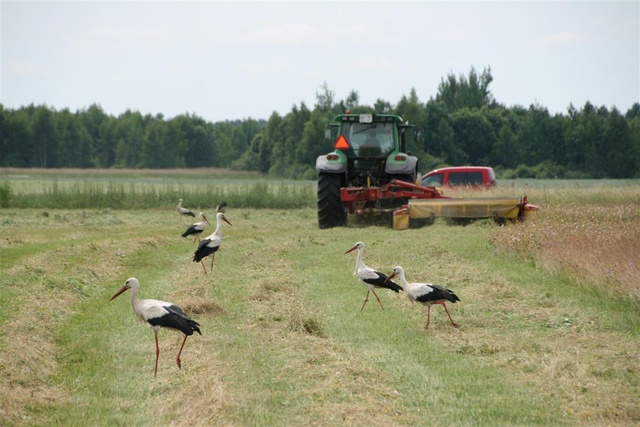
(239, 60)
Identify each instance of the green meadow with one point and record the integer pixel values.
(549, 313)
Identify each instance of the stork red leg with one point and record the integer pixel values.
(365, 300)
(203, 267)
(155, 372)
(447, 310)
(180, 352)
(428, 317)
(213, 257)
(374, 293)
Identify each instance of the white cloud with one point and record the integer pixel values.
(24, 68)
(255, 69)
(562, 38)
(124, 34)
(286, 34)
(372, 63)
(307, 34)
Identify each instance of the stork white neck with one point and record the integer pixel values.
(403, 280)
(135, 302)
(218, 231)
(359, 262)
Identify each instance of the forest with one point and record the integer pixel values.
(462, 125)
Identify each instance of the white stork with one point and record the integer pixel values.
(196, 228)
(159, 314)
(211, 244)
(371, 278)
(426, 294)
(184, 211)
(222, 207)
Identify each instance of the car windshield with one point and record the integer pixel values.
(369, 139)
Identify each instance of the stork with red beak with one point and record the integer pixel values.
(159, 314)
(371, 278)
(426, 294)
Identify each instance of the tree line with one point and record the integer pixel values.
(462, 125)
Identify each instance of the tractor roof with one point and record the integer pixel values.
(368, 118)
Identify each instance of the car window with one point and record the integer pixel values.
(433, 180)
(474, 178)
(457, 178)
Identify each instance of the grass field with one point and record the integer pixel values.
(549, 315)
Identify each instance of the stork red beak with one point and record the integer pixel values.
(225, 220)
(122, 289)
(205, 218)
(352, 249)
(391, 276)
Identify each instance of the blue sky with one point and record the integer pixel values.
(235, 60)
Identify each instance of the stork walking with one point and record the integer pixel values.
(371, 278)
(196, 228)
(426, 294)
(211, 244)
(159, 314)
(184, 211)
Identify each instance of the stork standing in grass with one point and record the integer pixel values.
(159, 314)
(371, 278)
(426, 294)
(222, 207)
(184, 211)
(211, 244)
(196, 228)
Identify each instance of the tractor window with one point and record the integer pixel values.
(369, 139)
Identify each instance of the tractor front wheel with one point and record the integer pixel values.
(331, 211)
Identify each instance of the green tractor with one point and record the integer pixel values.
(369, 153)
(369, 173)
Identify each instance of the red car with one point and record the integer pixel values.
(468, 176)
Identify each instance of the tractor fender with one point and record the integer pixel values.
(322, 165)
(402, 168)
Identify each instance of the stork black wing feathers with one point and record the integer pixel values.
(380, 282)
(190, 230)
(438, 293)
(176, 319)
(203, 250)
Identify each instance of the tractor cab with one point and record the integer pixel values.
(368, 150)
(369, 140)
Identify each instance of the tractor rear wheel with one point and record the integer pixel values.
(331, 212)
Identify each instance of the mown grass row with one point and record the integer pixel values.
(284, 341)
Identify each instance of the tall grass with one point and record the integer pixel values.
(596, 245)
(98, 195)
(5, 194)
(149, 189)
(205, 188)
